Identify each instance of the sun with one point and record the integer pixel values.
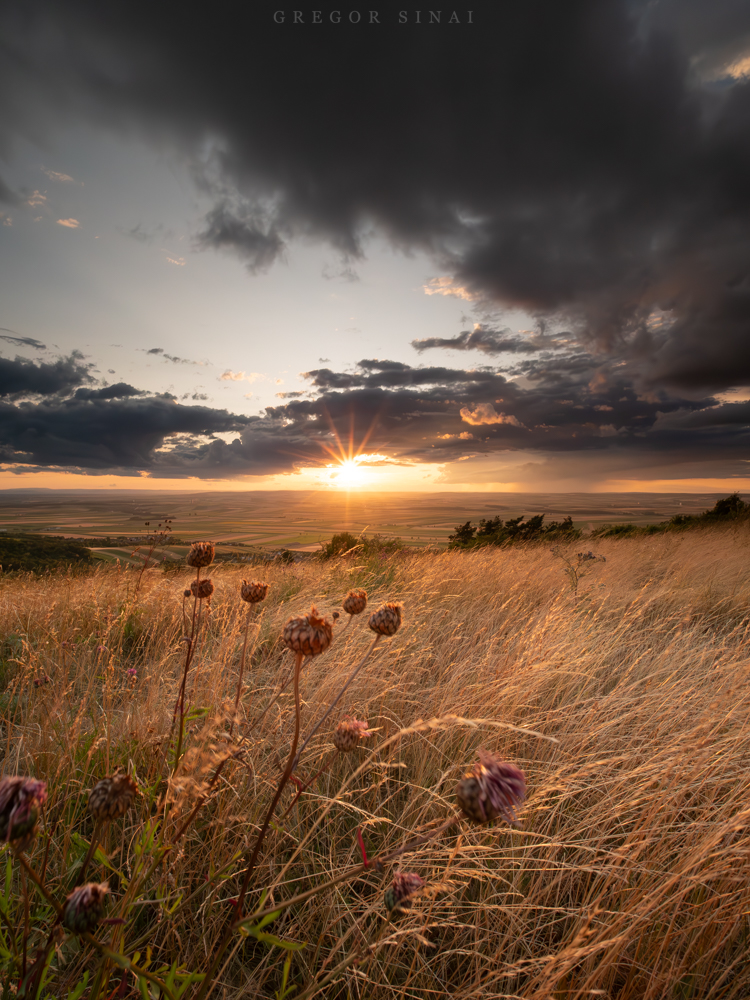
(349, 474)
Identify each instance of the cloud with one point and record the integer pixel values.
(55, 176)
(479, 339)
(447, 286)
(242, 231)
(484, 413)
(606, 185)
(69, 223)
(120, 390)
(405, 415)
(22, 377)
(172, 357)
(12, 338)
(35, 199)
(230, 376)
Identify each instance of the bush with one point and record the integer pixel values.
(37, 553)
(345, 541)
(494, 531)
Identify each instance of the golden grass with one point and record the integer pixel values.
(629, 875)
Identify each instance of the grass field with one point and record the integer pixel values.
(626, 706)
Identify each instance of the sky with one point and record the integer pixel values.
(502, 249)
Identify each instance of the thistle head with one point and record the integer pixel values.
(387, 619)
(348, 733)
(200, 554)
(398, 896)
(355, 601)
(84, 907)
(492, 788)
(111, 797)
(202, 589)
(253, 591)
(308, 635)
(20, 800)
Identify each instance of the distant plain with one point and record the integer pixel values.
(301, 520)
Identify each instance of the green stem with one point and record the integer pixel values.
(224, 943)
(338, 697)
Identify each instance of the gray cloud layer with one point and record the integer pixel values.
(555, 406)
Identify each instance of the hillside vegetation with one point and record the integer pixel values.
(625, 702)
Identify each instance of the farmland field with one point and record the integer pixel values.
(303, 519)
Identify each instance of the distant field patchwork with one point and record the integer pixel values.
(302, 520)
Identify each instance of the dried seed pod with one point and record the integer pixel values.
(309, 634)
(200, 554)
(186, 593)
(402, 888)
(355, 601)
(253, 591)
(387, 619)
(84, 907)
(492, 788)
(202, 589)
(20, 800)
(111, 797)
(348, 733)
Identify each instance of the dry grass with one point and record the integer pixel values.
(628, 877)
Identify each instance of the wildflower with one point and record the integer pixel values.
(309, 634)
(111, 797)
(253, 591)
(38, 681)
(84, 907)
(348, 733)
(20, 799)
(402, 888)
(132, 673)
(201, 589)
(355, 602)
(492, 788)
(200, 554)
(387, 619)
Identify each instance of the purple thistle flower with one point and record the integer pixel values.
(492, 788)
(20, 799)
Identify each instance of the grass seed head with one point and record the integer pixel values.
(20, 799)
(398, 896)
(387, 619)
(309, 634)
(492, 788)
(348, 733)
(355, 601)
(253, 591)
(111, 797)
(202, 589)
(84, 907)
(200, 554)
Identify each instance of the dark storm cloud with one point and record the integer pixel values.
(22, 377)
(102, 434)
(11, 337)
(573, 159)
(242, 232)
(558, 406)
(120, 390)
(480, 339)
